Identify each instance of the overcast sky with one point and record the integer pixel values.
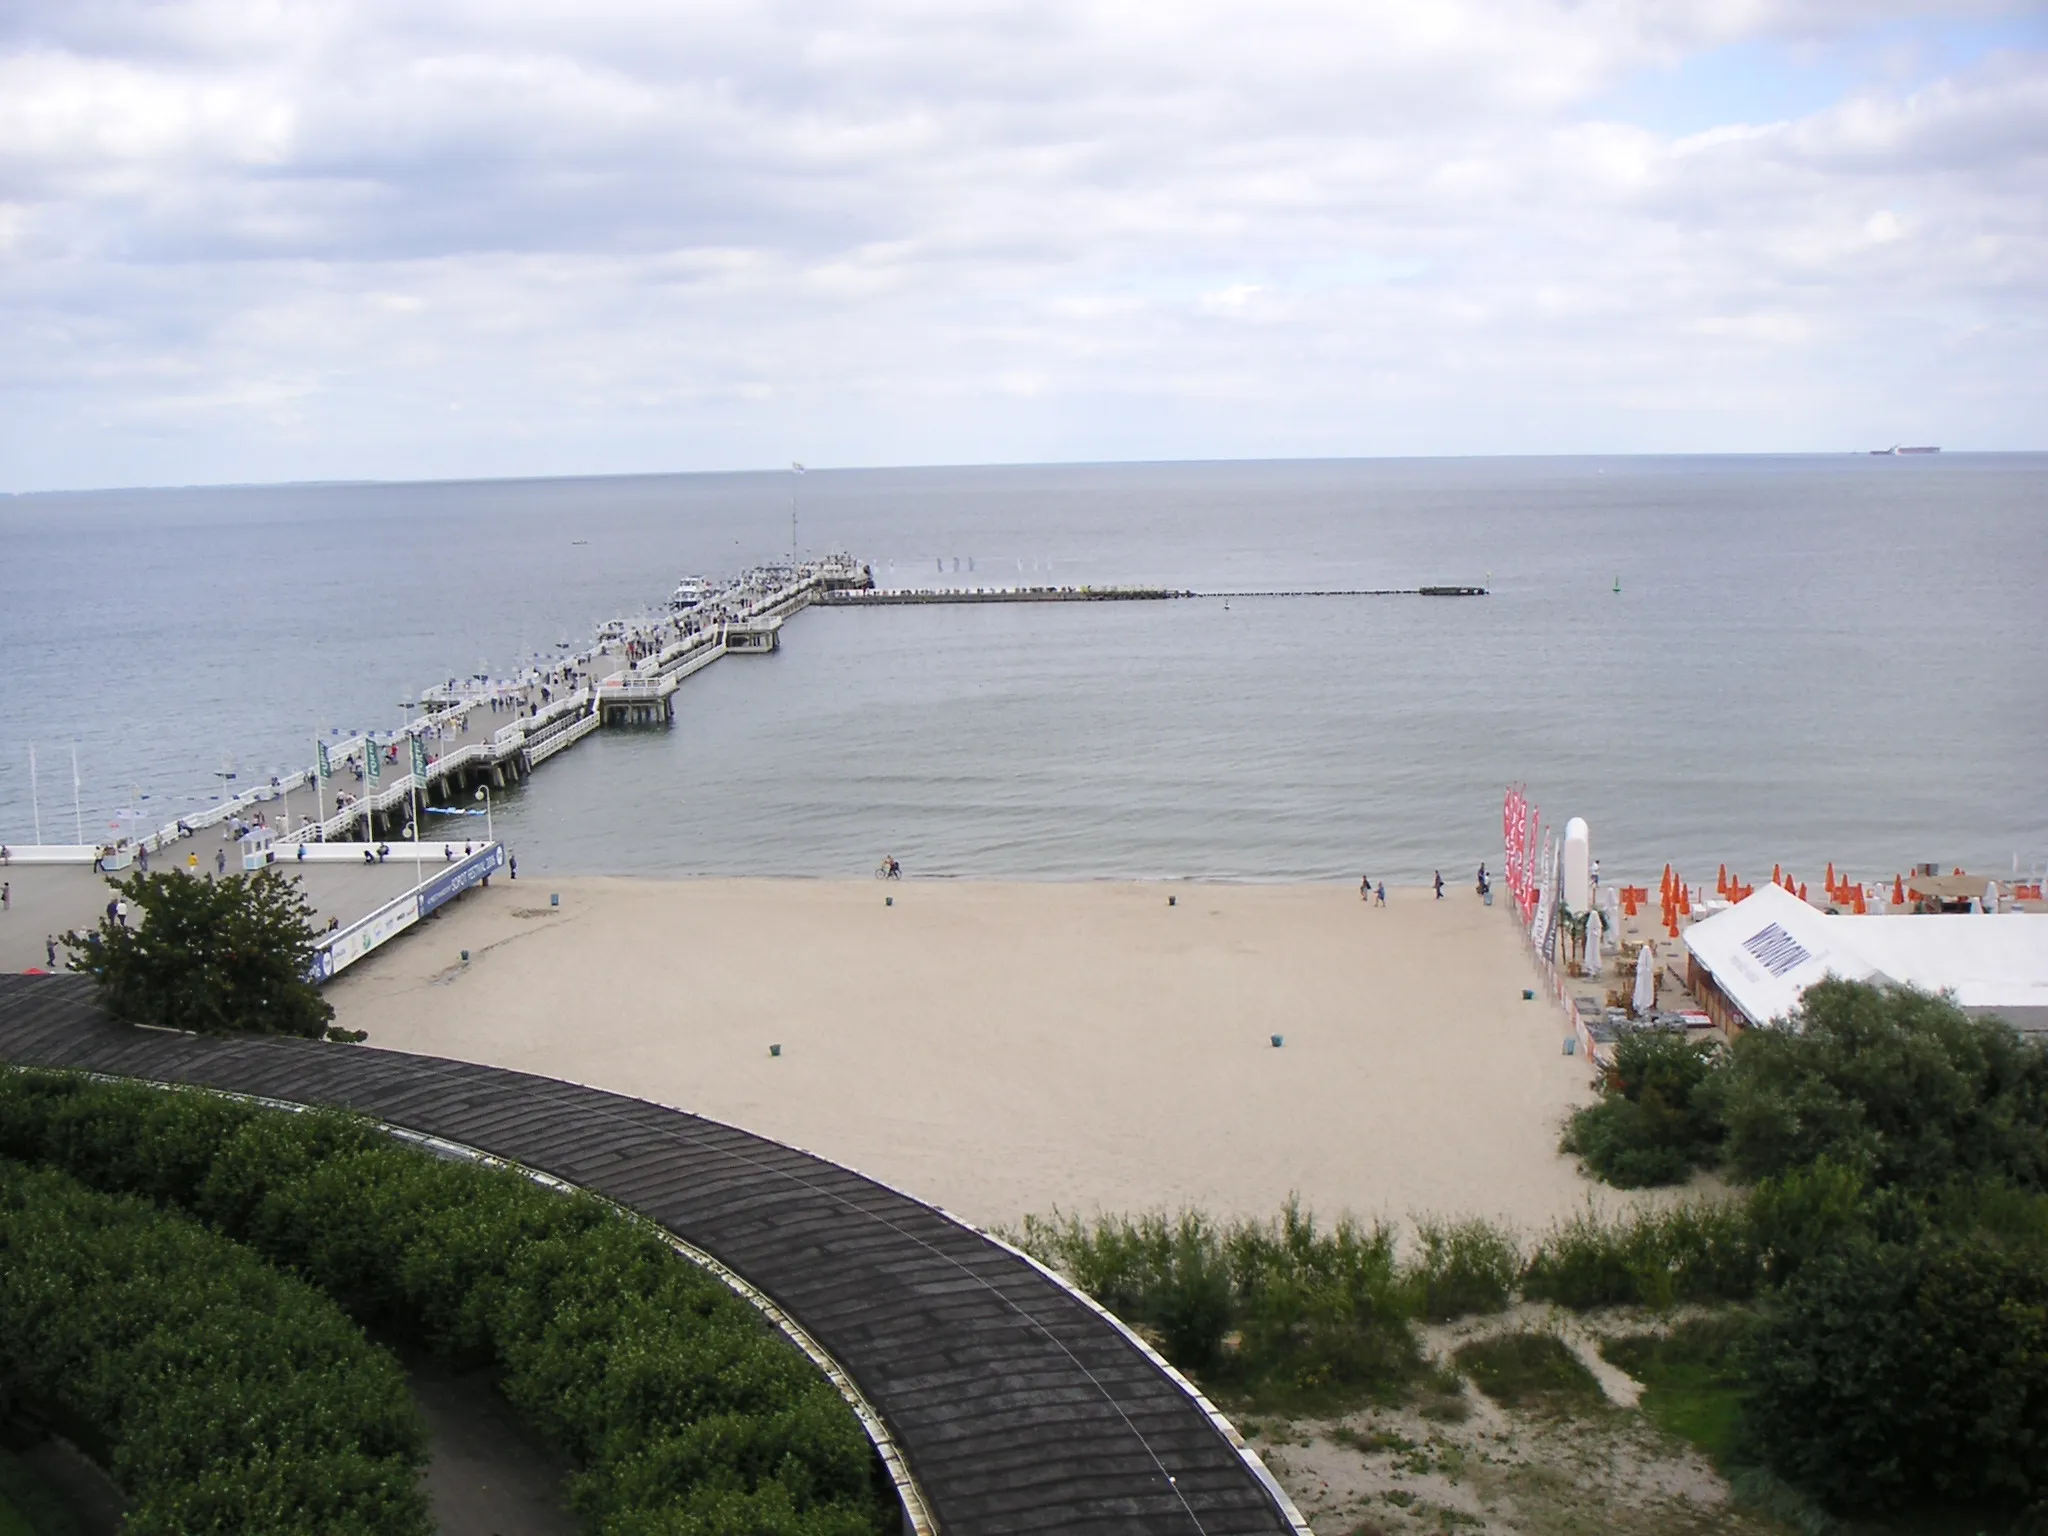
(393, 239)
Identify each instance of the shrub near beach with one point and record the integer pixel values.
(1282, 1312)
(223, 1395)
(683, 1410)
(1896, 1234)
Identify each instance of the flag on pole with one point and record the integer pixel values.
(326, 768)
(373, 760)
(798, 467)
(419, 759)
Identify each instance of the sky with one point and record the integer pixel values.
(400, 239)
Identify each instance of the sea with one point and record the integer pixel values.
(1745, 661)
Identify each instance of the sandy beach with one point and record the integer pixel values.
(1009, 1048)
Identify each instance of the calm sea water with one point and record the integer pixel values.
(1809, 659)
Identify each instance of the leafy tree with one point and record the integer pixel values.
(1888, 1372)
(213, 956)
(1652, 1127)
(1901, 1086)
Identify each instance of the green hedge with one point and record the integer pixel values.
(683, 1409)
(225, 1396)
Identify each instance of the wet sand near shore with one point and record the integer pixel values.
(1008, 1048)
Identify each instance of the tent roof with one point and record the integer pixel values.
(1770, 947)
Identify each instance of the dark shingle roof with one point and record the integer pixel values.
(1016, 1405)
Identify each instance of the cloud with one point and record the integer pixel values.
(264, 240)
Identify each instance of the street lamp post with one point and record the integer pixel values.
(483, 793)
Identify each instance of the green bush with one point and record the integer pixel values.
(1462, 1267)
(1702, 1252)
(1886, 1373)
(1649, 1127)
(1278, 1310)
(225, 1396)
(215, 956)
(1905, 1088)
(676, 1400)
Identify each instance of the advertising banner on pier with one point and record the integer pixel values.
(473, 870)
(357, 940)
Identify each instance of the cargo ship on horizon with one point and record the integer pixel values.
(1897, 449)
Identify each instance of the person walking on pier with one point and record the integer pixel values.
(220, 860)
(6, 895)
(50, 949)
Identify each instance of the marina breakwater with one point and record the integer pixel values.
(902, 597)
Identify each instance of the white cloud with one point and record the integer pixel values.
(249, 240)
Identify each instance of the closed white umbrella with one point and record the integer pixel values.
(1991, 896)
(1646, 981)
(1592, 943)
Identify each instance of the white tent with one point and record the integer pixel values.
(1768, 948)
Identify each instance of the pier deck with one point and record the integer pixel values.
(1014, 1403)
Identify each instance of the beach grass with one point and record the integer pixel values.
(1702, 1252)
(1692, 1381)
(1530, 1369)
(1282, 1314)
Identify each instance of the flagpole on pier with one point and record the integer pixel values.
(35, 798)
(77, 815)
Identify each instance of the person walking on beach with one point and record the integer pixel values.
(1439, 882)
(1365, 887)
(1380, 898)
(512, 865)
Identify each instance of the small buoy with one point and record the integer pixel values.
(888, 901)
(554, 900)
(774, 1050)
(1278, 1041)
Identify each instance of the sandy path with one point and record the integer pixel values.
(1007, 1048)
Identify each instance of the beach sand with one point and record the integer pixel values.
(1008, 1048)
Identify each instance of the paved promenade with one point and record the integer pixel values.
(46, 899)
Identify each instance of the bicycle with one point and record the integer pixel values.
(888, 870)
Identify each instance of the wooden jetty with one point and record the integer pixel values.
(1001, 1399)
(484, 734)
